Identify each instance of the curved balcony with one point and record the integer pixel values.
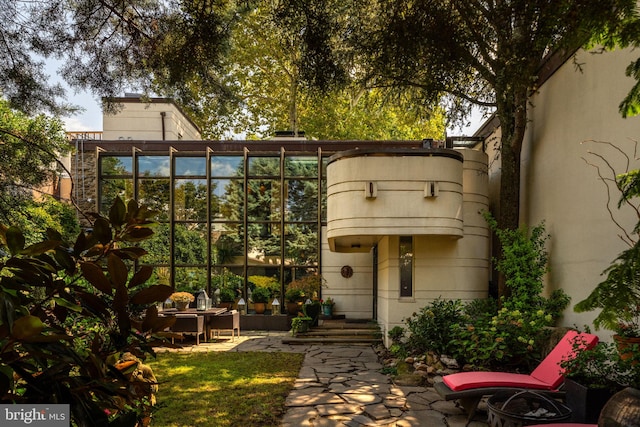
(373, 193)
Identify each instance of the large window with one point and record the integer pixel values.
(224, 216)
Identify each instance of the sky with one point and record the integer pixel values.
(88, 120)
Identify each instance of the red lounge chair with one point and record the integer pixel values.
(470, 387)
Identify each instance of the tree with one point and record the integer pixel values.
(110, 46)
(486, 53)
(262, 72)
(29, 149)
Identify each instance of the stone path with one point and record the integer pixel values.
(342, 385)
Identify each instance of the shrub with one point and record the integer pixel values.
(261, 295)
(430, 329)
(86, 314)
(523, 263)
(396, 334)
(271, 283)
(227, 295)
(510, 338)
(309, 286)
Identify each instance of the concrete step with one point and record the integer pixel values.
(339, 332)
(302, 339)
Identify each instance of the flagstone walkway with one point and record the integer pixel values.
(342, 385)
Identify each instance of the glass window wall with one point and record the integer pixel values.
(217, 225)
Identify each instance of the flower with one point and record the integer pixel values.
(181, 297)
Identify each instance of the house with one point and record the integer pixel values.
(390, 225)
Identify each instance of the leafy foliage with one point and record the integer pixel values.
(261, 71)
(599, 367)
(430, 329)
(109, 46)
(28, 148)
(508, 338)
(480, 333)
(523, 263)
(305, 287)
(450, 53)
(261, 294)
(71, 312)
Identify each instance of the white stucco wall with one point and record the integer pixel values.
(139, 120)
(354, 295)
(451, 265)
(571, 111)
(399, 204)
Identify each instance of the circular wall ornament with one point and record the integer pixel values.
(346, 271)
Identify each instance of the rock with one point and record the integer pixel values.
(410, 360)
(449, 362)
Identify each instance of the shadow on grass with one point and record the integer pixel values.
(223, 388)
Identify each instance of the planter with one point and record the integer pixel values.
(260, 307)
(182, 306)
(625, 346)
(622, 410)
(293, 308)
(303, 327)
(585, 403)
(327, 310)
(313, 311)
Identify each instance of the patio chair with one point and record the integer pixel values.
(189, 324)
(229, 320)
(470, 387)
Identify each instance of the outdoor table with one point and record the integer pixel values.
(210, 312)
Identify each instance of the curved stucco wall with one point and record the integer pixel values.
(443, 267)
(401, 192)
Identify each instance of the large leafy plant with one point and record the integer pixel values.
(70, 311)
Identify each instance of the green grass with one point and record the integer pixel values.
(223, 388)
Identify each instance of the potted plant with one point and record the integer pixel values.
(591, 378)
(227, 297)
(305, 288)
(327, 306)
(294, 297)
(312, 308)
(300, 324)
(182, 300)
(260, 298)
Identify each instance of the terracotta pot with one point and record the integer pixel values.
(625, 346)
(259, 307)
(294, 307)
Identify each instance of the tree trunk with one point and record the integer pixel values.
(512, 114)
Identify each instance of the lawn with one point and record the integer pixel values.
(223, 388)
